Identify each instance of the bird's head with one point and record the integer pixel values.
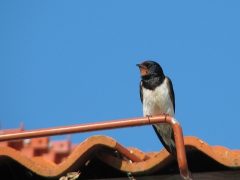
(150, 69)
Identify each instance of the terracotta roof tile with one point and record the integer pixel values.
(115, 155)
(103, 157)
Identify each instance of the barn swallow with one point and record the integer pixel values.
(157, 97)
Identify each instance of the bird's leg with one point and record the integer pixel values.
(165, 116)
(148, 116)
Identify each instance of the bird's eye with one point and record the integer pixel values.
(148, 65)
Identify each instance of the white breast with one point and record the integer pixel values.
(157, 101)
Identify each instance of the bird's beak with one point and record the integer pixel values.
(141, 66)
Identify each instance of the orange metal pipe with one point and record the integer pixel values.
(181, 155)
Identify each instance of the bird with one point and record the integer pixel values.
(157, 97)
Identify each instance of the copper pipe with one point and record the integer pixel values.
(181, 155)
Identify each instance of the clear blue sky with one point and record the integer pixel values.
(73, 62)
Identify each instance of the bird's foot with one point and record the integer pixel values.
(148, 116)
(165, 116)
